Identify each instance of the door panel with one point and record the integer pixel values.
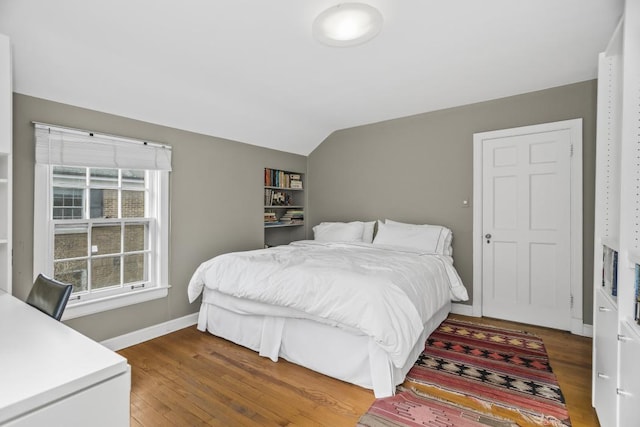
(505, 212)
(542, 217)
(542, 278)
(505, 255)
(526, 214)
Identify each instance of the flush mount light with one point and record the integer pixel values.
(347, 24)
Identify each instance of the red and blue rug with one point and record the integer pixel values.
(475, 375)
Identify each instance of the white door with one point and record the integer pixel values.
(526, 214)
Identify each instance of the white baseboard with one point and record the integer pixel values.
(587, 331)
(464, 309)
(155, 331)
(582, 329)
(577, 327)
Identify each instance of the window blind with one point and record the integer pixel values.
(74, 147)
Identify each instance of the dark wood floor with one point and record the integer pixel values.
(190, 378)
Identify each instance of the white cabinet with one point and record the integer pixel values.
(52, 375)
(6, 143)
(629, 386)
(102, 404)
(616, 345)
(605, 365)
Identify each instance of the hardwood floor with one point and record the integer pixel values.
(190, 378)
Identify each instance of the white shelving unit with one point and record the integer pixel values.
(6, 174)
(616, 343)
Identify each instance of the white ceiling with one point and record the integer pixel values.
(249, 70)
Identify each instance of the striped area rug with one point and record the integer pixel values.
(475, 375)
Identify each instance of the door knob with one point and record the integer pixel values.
(488, 236)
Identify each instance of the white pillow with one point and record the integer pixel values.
(427, 238)
(367, 234)
(339, 231)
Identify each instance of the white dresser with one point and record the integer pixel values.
(52, 375)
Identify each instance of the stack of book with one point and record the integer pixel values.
(293, 217)
(270, 218)
(295, 181)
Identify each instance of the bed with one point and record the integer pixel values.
(345, 304)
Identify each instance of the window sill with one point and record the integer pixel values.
(86, 308)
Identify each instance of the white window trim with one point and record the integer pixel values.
(43, 259)
(84, 308)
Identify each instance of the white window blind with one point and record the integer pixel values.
(74, 147)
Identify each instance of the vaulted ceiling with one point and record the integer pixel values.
(250, 70)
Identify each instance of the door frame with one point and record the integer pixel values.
(574, 126)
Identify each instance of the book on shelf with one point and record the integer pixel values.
(614, 280)
(282, 179)
(610, 270)
(276, 198)
(636, 284)
(292, 216)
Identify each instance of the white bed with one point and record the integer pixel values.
(359, 312)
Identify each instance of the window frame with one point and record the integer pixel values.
(158, 274)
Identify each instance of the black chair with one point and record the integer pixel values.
(49, 296)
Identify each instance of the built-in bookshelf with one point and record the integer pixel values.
(6, 178)
(5, 222)
(283, 206)
(616, 341)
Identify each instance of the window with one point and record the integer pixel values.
(101, 217)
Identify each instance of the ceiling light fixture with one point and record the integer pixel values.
(347, 24)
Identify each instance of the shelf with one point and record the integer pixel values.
(283, 207)
(284, 188)
(613, 300)
(611, 243)
(633, 326)
(281, 225)
(3, 241)
(4, 180)
(634, 256)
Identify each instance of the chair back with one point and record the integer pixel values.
(49, 296)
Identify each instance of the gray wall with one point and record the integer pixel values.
(414, 169)
(216, 204)
(419, 169)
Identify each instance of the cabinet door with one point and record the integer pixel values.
(106, 404)
(5, 164)
(5, 95)
(605, 360)
(629, 390)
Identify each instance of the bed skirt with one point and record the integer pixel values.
(339, 353)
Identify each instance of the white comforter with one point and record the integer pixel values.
(384, 292)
